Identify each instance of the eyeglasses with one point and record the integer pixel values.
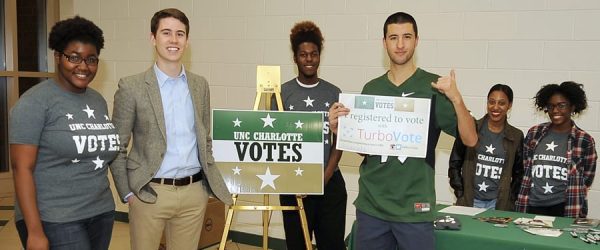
(77, 59)
(562, 106)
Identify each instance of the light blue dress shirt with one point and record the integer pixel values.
(181, 158)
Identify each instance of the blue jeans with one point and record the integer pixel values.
(491, 204)
(375, 233)
(86, 234)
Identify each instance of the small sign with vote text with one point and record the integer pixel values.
(384, 125)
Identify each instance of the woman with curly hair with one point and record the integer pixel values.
(559, 157)
(61, 141)
(489, 174)
(326, 214)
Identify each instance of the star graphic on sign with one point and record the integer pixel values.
(236, 170)
(267, 179)
(291, 107)
(69, 116)
(237, 122)
(75, 160)
(106, 117)
(364, 103)
(298, 171)
(268, 121)
(483, 187)
(490, 149)
(90, 112)
(327, 104)
(309, 102)
(547, 188)
(299, 124)
(98, 162)
(551, 146)
(326, 141)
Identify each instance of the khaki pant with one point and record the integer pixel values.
(179, 211)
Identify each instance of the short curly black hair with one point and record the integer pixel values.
(572, 91)
(75, 29)
(306, 31)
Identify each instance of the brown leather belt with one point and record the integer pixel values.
(179, 181)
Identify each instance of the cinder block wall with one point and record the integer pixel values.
(521, 43)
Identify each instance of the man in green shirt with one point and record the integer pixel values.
(396, 197)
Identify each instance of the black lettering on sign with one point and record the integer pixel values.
(256, 151)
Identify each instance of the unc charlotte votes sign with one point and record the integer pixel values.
(384, 125)
(269, 152)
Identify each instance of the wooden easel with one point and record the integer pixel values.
(267, 83)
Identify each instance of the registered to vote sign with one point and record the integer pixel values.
(384, 125)
(269, 152)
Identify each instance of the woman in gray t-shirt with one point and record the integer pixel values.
(489, 174)
(61, 141)
(559, 157)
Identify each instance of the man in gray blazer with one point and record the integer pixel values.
(169, 172)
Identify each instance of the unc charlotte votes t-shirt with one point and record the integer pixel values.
(315, 98)
(405, 192)
(76, 140)
(490, 160)
(549, 172)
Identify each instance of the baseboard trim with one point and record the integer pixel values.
(256, 240)
(7, 207)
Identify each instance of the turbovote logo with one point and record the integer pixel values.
(395, 136)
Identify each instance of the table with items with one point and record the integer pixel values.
(496, 230)
(477, 233)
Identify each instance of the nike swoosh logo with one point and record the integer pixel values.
(407, 94)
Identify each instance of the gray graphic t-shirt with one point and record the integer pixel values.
(549, 171)
(316, 98)
(76, 140)
(490, 161)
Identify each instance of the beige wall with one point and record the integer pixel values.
(521, 43)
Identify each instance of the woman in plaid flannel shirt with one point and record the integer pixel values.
(559, 158)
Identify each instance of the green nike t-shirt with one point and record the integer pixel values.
(405, 192)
